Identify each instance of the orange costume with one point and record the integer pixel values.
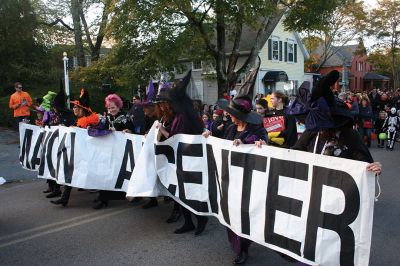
(16, 100)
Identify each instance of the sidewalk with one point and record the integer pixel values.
(10, 168)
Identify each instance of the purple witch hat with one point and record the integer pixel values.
(163, 89)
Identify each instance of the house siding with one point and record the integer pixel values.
(295, 70)
(208, 92)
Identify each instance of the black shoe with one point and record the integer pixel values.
(175, 215)
(152, 203)
(54, 194)
(100, 204)
(81, 189)
(136, 200)
(202, 222)
(61, 201)
(167, 199)
(241, 258)
(48, 190)
(185, 228)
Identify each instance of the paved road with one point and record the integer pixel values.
(35, 232)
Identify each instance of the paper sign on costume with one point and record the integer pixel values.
(274, 124)
(314, 208)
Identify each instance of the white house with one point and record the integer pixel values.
(282, 65)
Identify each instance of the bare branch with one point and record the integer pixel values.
(58, 20)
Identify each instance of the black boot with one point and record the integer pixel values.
(64, 197)
(100, 204)
(241, 258)
(136, 200)
(174, 217)
(187, 227)
(51, 186)
(152, 203)
(201, 224)
(54, 194)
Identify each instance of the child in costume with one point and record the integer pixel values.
(391, 126)
(379, 127)
(85, 118)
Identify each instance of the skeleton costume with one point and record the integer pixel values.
(391, 126)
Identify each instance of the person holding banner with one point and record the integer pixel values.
(85, 118)
(246, 128)
(281, 128)
(329, 127)
(116, 120)
(185, 121)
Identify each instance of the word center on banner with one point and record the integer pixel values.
(314, 208)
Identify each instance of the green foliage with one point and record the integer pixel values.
(381, 60)
(21, 49)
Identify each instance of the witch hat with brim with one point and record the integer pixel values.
(241, 108)
(83, 101)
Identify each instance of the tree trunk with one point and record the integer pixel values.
(75, 11)
(220, 58)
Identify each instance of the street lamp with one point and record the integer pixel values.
(65, 59)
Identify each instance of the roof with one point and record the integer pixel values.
(249, 36)
(375, 76)
(344, 54)
(275, 76)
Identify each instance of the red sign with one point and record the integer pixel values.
(274, 123)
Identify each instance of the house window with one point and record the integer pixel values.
(180, 68)
(196, 65)
(275, 49)
(290, 51)
(88, 60)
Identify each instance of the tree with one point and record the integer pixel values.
(384, 25)
(381, 60)
(78, 10)
(21, 44)
(214, 23)
(345, 24)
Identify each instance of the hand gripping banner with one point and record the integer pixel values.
(314, 208)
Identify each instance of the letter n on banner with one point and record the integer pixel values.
(248, 162)
(338, 223)
(277, 202)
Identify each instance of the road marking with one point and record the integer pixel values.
(47, 226)
(58, 229)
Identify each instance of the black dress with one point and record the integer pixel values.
(118, 122)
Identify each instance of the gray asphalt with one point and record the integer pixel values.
(35, 232)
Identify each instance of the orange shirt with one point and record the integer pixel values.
(17, 98)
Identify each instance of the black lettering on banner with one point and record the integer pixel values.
(26, 146)
(189, 177)
(68, 164)
(35, 160)
(248, 162)
(338, 223)
(277, 202)
(225, 186)
(213, 180)
(168, 151)
(43, 155)
(49, 152)
(123, 173)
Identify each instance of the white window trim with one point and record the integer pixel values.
(276, 39)
(196, 69)
(290, 41)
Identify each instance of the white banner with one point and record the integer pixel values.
(70, 156)
(316, 209)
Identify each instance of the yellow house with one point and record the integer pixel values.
(282, 65)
